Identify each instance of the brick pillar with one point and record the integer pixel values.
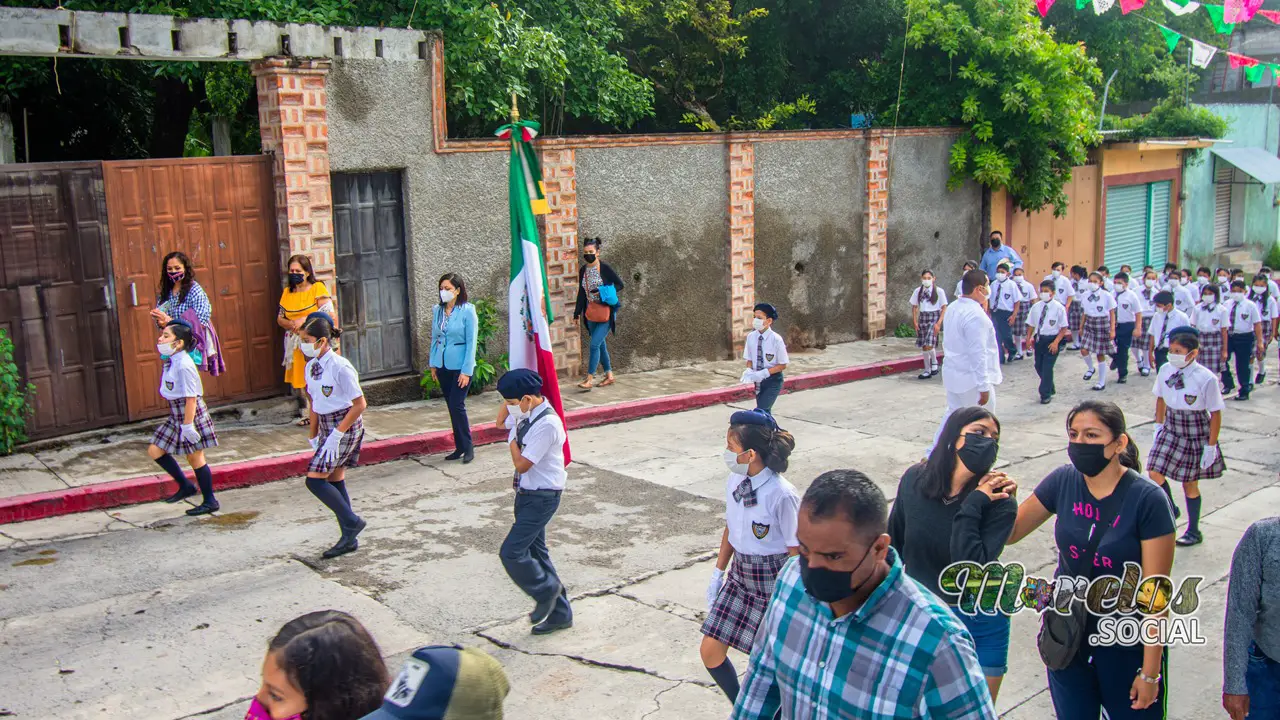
(742, 241)
(294, 124)
(560, 228)
(877, 279)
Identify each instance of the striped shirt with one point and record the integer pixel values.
(903, 654)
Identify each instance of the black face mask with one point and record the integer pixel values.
(1089, 458)
(296, 278)
(830, 586)
(995, 243)
(589, 257)
(979, 453)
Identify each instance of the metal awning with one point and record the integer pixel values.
(1255, 162)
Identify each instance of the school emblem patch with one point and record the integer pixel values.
(768, 357)
(1191, 399)
(168, 384)
(1216, 321)
(327, 390)
(1124, 305)
(1052, 323)
(759, 530)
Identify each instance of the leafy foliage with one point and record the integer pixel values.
(1026, 98)
(904, 330)
(485, 372)
(1273, 257)
(1172, 119)
(15, 403)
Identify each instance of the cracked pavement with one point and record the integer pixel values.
(144, 611)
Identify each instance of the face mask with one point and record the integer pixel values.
(1093, 285)
(1056, 273)
(446, 296)
(176, 276)
(516, 412)
(830, 586)
(995, 243)
(1046, 296)
(758, 324)
(1222, 279)
(926, 284)
(1149, 283)
(731, 462)
(1121, 288)
(1002, 276)
(1208, 299)
(1089, 458)
(589, 257)
(1259, 290)
(979, 453)
(309, 349)
(1202, 280)
(1182, 281)
(1178, 361)
(1237, 295)
(296, 278)
(165, 349)
(258, 712)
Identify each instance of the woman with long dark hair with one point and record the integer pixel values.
(952, 508)
(454, 326)
(303, 295)
(597, 315)
(179, 292)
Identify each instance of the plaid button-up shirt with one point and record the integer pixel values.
(903, 654)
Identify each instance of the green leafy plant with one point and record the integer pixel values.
(904, 330)
(1172, 119)
(1273, 257)
(485, 372)
(15, 399)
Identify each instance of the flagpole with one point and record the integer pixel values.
(1186, 88)
(515, 110)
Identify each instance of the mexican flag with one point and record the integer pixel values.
(528, 307)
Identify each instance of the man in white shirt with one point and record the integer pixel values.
(536, 438)
(971, 367)
(1244, 339)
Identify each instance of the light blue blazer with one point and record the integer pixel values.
(454, 349)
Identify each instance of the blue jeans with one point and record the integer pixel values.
(1263, 679)
(524, 552)
(767, 392)
(990, 639)
(599, 350)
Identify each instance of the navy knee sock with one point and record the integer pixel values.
(204, 478)
(332, 498)
(342, 488)
(170, 465)
(727, 678)
(1193, 514)
(1165, 487)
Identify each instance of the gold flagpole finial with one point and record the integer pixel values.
(515, 111)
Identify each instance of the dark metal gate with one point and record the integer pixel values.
(373, 294)
(56, 295)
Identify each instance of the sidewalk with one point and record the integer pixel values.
(107, 472)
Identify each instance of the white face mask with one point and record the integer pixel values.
(1046, 296)
(1056, 273)
(1002, 276)
(758, 324)
(1259, 290)
(1222, 279)
(1237, 295)
(1183, 281)
(1093, 285)
(446, 295)
(731, 462)
(165, 349)
(309, 349)
(1121, 288)
(1208, 299)
(926, 284)
(515, 412)
(1178, 361)
(1149, 282)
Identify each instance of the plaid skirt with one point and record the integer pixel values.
(1074, 314)
(1144, 334)
(168, 437)
(926, 334)
(1176, 452)
(348, 449)
(1095, 335)
(739, 607)
(1020, 320)
(1212, 354)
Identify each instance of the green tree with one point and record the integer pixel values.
(1025, 98)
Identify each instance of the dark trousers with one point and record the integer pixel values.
(1240, 345)
(1124, 340)
(1263, 680)
(456, 398)
(767, 392)
(1162, 357)
(524, 553)
(1004, 334)
(1045, 361)
(1100, 677)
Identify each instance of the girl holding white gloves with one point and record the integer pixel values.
(766, 354)
(761, 510)
(189, 429)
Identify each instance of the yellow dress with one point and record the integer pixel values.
(295, 306)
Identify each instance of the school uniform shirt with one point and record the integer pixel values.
(1200, 389)
(544, 447)
(1163, 322)
(1146, 300)
(1186, 298)
(969, 344)
(1062, 288)
(920, 299)
(1269, 310)
(1242, 315)
(1004, 293)
(1109, 285)
(1128, 305)
(337, 385)
(1272, 288)
(775, 349)
(1053, 314)
(180, 378)
(1096, 303)
(769, 527)
(1027, 291)
(1210, 319)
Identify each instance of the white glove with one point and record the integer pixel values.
(760, 376)
(329, 451)
(1155, 432)
(746, 377)
(717, 580)
(1208, 457)
(190, 434)
(314, 442)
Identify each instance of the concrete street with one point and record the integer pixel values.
(143, 612)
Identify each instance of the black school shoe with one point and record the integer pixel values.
(1122, 380)
(1190, 538)
(1244, 395)
(183, 493)
(455, 455)
(542, 610)
(1046, 400)
(1261, 378)
(347, 544)
(204, 508)
(546, 627)
(924, 375)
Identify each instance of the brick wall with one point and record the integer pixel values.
(293, 121)
(742, 228)
(560, 246)
(876, 261)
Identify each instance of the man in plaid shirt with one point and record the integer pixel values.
(848, 634)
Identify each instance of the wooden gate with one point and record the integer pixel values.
(219, 212)
(56, 296)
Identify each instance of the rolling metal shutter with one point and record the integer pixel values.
(1158, 239)
(1222, 177)
(1126, 234)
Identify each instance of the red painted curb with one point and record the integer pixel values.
(132, 491)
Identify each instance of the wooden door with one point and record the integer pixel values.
(56, 299)
(219, 212)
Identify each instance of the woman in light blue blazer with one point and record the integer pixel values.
(453, 358)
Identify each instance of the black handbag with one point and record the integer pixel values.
(1061, 636)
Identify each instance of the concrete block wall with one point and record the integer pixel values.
(560, 248)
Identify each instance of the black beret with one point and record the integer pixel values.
(515, 384)
(769, 311)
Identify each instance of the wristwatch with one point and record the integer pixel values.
(1149, 680)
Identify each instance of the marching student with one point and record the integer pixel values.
(1210, 319)
(1166, 317)
(1098, 328)
(964, 270)
(1004, 300)
(761, 510)
(1026, 298)
(1129, 315)
(1107, 283)
(1075, 311)
(1244, 340)
(337, 428)
(1269, 308)
(189, 429)
(1063, 290)
(766, 354)
(1224, 280)
(1169, 277)
(1272, 287)
(928, 306)
(1046, 327)
(1186, 294)
(1188, 417)
(1202, 276)
(1142, 341)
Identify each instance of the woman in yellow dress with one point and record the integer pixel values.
(303, 296)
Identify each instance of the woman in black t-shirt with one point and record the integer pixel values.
(1127, 681)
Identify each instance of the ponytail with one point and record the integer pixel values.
(1129, 458)
(773, 444)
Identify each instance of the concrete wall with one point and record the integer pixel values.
(929, 226)
(809, 212)
(663, 214)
